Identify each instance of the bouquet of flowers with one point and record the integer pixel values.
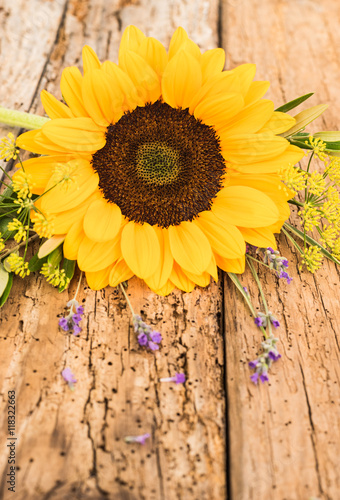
(165, 167)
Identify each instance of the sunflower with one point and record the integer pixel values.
(162, 166)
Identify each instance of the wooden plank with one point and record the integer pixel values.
(71, 445)
(284, 436)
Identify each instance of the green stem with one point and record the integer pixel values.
(295, 202)
(127, 299)
(254, 273)
(23, 243)
(20, 119)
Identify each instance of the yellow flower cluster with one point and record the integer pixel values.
(312, 257)
(21, 230)
(22, 185)
(55, 277)
(64, 174)
(18, 265)
(2, 243)
(310, 215)
(8, 149)
(43, 226)
(318, 146)
(294, 178)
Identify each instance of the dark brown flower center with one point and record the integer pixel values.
(160, 165)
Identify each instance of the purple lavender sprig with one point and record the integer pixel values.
(178, 378)
(263, 320)
(137, 439)
(147, 337)
(273, 259)
(69, 378)
(263, 363)
(70, 323)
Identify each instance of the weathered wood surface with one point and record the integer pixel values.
(218, 435)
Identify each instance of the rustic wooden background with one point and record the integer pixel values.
(218, 436)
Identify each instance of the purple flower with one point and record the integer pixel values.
(69, 377)
(137, 439)
(76, 330)
(76, 318)
(156, 337)
(153, 346)
(258, 321)
(274, 356)
(178, 378)
(80, 310)
(245, 289)
(142, 339)
(63, 323)
(254, 377)
(264, 377)
(270, 249)
(253, 364)
(285, 262)
(276, 323)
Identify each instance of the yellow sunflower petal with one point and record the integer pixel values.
(212, 63)
(120, 272)
(278, 123)
(224, 238)
(178, 38)
(53, 107)
(90, 59)
(35, 141)
(61, 198)
(270, 184)
(70, 86)
(246, 73)
(103, 101)
(75, 134)
(190, 247)
(250, 119)
(291, 156)
(131, 40)
(259, 237)
(145, 79)
(181, 80)
(99, 279)
(154, 54)
(64, 220)
(200, 280)
(93, 257)
(212, 269)
(165, 290)
(123, 82)
(216, 110)
(160, 277)
(73, 240)
(180, 279)
(246, 148)
(231, 265)
(102, 221)
(245, 206)
(256, 91)
(140, 249)
(40, 169)
(225, 82)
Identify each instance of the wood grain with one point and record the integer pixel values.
(218, 434)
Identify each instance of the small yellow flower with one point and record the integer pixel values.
(294, 178)
(24, 204)
(64, 174)
(43, 225)
(22, 185)
(17, 225)
(2, 243)
(329, 235)
(55, 277)
(318, 146)
(312, 258)
(310, 215)
(18, 265)
(316, 183)
(333, 170)
(8, 149)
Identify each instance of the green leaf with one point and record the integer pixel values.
(293, 104)
(48, 246)
(69, 267)
(35, 264)
(6, 194)
(4, 276)
(311, 241)
(3, 228)
(7, 290)
(54, 258)
(328, 136)
(304, 118)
